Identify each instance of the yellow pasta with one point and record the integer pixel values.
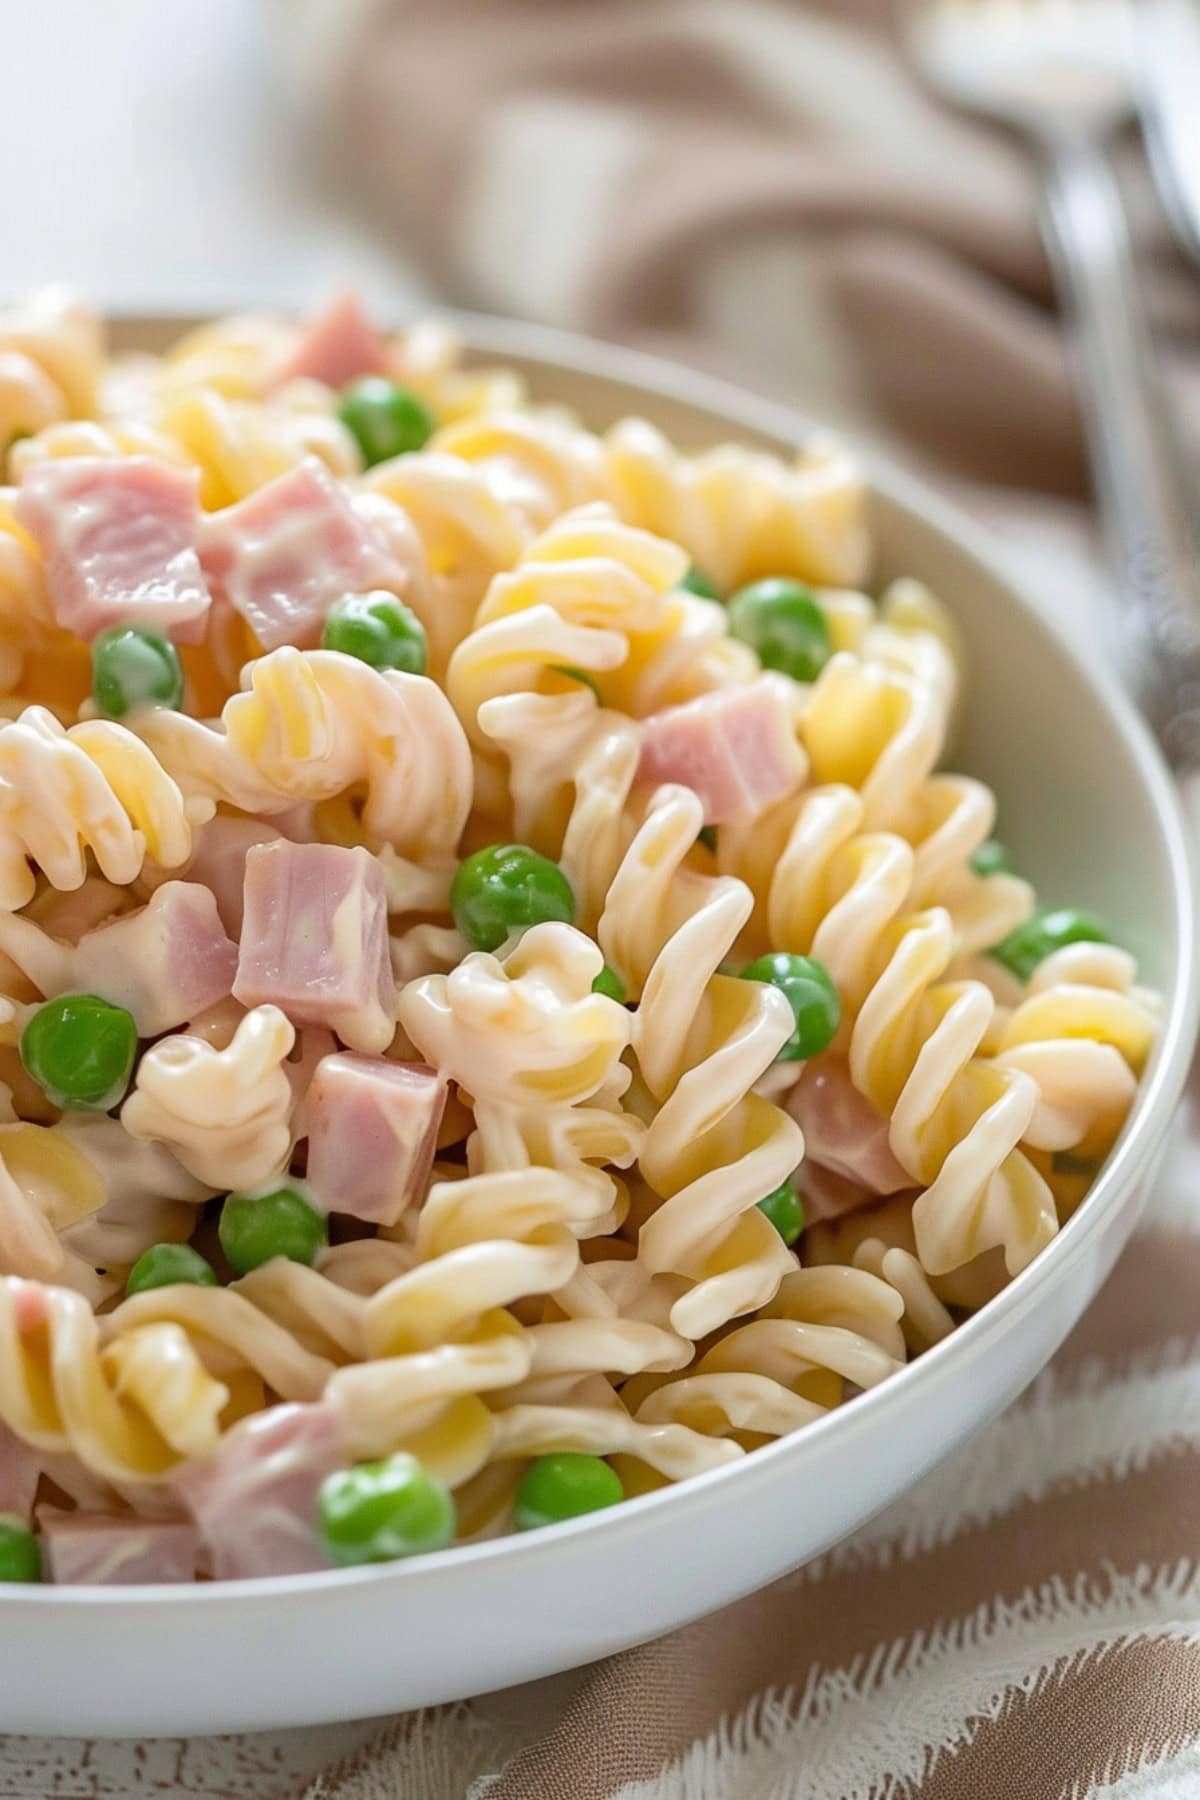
(468, 994)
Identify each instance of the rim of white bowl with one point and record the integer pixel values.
(1140, 1140)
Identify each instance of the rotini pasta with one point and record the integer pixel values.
(495, 979)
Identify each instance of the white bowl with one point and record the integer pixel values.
(1092, 814)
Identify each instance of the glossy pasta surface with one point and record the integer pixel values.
(579, 1028)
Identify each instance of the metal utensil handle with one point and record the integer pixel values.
(1136, 459)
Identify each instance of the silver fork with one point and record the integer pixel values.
(1062, 72)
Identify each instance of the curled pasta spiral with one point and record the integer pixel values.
(879, 728)
(826, 1327)
(526, 1030)
(880, 1239)
(94, 437)
(538, 464)
(311, 724)
(907, 629)
(599, 575)
(957, 1118)
(50, 357)
(129, 1409)
(530, 1041)
(234, 355)
(94, 787)
(428, 358)
(741, 514)
(1083, 1032)
(713, 1147)
(37, 657)
(575, 1337)
(225, 1114)
(738, 513)
(595, 595)
(237, 1341)
(467, 533)
(47, 1185)
(239, 445)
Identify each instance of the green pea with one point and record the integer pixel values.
(80, 1050)
(563, 1487)
(808, 988)
(707, 835)
(507, 888)
(164, 1265)
(784, 624)
(385, 419)
(992, 858)
(133, 668)
(377, 629)
(579, 675)
(608, 982)
(255, 1228)
(1029, 944)
(381, 1511)
(785, 1209)
(697, 582)
(20, 1552)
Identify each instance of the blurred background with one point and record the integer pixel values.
(761, 187)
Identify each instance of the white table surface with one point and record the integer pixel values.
(152, 163)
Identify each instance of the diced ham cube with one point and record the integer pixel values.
(735, 748)
(19, 1470)
(848, 1161)
(115, 1552)
(119, 538)
(219, 862)
(315, 940)
(337, 345)
(254, 1498)
(282, 556)
(166, 963)
(372, 1131)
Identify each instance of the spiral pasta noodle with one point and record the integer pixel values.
(594, 595)
(94, 788)
(741, 515)
(51, 352)
(483, 1020)
(309, 726)
(826, 1327)
(129, 1409)
(225, 1114)
(467, 533)
(713, 1147)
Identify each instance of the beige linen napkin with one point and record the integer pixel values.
(758, 185)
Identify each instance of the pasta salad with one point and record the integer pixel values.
(500, 1007)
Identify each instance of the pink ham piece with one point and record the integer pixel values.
(165, 964)
(735, 748)
(19, 1471)
(119, 537)
(337, 345)
(315, 940)
(219, 862)
(254, 1498)
(372, 1131)
(282, 556)
(101, 1551)
(847, 1159)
